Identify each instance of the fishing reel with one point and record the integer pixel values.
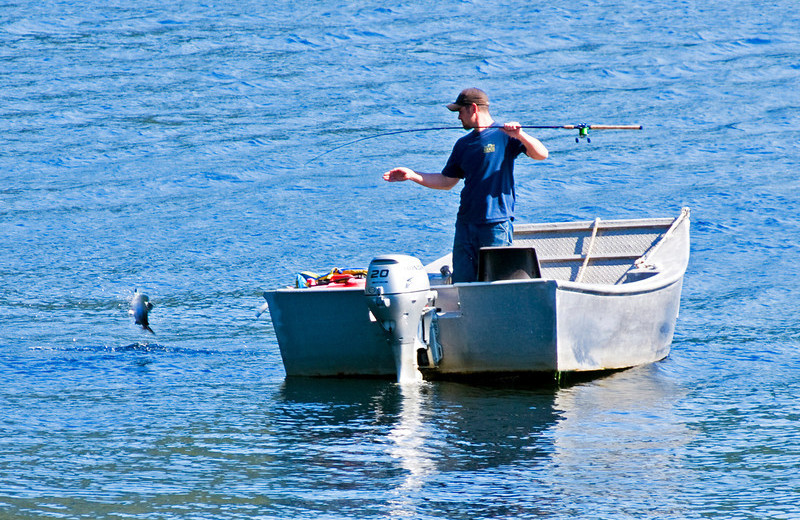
(583, 133)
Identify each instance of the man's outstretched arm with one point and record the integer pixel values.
(436, 181)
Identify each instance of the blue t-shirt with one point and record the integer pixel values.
(485, 160)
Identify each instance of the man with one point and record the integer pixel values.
(484, 158)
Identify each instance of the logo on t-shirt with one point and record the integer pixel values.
(489, 148)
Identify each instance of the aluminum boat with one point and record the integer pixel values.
(577, 297)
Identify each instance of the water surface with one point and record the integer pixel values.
(166, 147)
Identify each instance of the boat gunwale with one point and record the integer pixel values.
(656, 282)
(565, 227)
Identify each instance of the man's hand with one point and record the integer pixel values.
(533, 147)
(401, 174)
(513, 129)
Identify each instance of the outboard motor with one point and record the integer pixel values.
(398, 292)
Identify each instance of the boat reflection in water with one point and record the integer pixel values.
(408, 440)
(376, 444)
(412, 445)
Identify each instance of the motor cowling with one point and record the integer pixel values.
(398, 291)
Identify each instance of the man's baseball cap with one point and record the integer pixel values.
(469, 96)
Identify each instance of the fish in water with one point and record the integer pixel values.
(263, 308)
(140, 306)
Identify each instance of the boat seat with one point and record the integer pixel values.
(508, 263)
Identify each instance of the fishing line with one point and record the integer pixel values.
(583, 131)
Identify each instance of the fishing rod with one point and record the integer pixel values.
(582, 128)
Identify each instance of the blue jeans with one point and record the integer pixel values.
(468, 241)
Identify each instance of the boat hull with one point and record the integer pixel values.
(328, 333)
(541, 326)
(612, 331)
(516, 326)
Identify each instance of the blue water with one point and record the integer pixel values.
(164, 146)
